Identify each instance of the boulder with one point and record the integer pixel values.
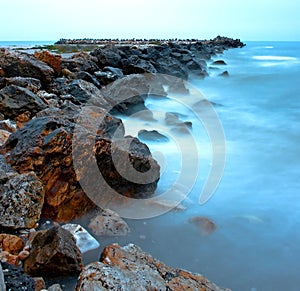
(224, 74)
(88, 77)
(219, 63)
(53, 60)
(171, 66)
(11, 243)
(107, 56)
(16, 64)
(108, 223)
(129, 268)
(115, 71)
(136, 65)
(80, 62)
(31, 84)
(15, 279)
(2, 282)
(53, 253)
(15, 101)
(21, 198)
(4, 135)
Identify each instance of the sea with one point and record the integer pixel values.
(247, 139)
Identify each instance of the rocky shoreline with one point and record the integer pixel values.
(41, 98)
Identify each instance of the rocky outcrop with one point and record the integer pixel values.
(21, 198)
(107, 56)
(129, 268)
(16, 64)
(31, 84)
(53, 253)
(53, 60)
(81, 62)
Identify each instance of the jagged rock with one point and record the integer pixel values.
(105, 78)
(172, 67)
(129, 268)
(15, 101)
(55, 287)
(115, 71)
(107, 56)
(88, 77)
(44, 145)
(29, 83)
(53, 60)
(21, 198)
(8, 125)
(15, 279)
(4, 135)
(39, 284)
(219, 63)
(2, 282)
(16, 64)
(84, 241)
(152, 135)
(53, 253)
(80, 62)
(136, 65)
(224, 74)
(11, 243)
(108, 223)
(205, 225)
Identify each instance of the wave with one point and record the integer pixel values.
(274, 58)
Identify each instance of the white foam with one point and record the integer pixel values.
(274, 58)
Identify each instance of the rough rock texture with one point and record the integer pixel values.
(80, 62)
(29, 83)
(21, 198)
(44, 145)
(54, 61)
(15, 101)
(4, 135)
(108, 223)
(107, 56)
(129, 268)
(15, 64)
(53, 253)
(2, 282)
(16, 280)
(152, 135)
(11, 243)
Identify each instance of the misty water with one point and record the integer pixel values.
(256, 206)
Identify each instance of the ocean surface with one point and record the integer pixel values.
(24, 44)
(256, 206)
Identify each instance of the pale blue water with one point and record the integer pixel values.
(24, 44)
(257, 205)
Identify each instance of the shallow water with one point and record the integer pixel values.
(256, 208)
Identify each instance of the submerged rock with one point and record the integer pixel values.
(152, 135)
(219, 63)
(53, 253)
(205, 225)
(129, 268)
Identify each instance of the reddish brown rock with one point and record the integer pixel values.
(129, 268)
(11, 243)
(53, 60)
(53, 253)
(205, 225)
(39, 284)
(4, 135)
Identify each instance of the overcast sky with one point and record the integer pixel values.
(55, 19)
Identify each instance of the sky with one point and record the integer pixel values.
(39, 20)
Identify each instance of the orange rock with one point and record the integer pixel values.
(205, 225)
(11, 243)
(9, 258)
(54, 61)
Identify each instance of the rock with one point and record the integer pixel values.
(84, 241)
(15, 279)
(53, 253)
(55, 287)
(108, 223)
(4, 135)
(11, 243)
(205, 225)
(39, 283)
(15, 101)
(21, 198)
(8, 125)
(172, 67)
(16, 64)
(2, 282)
(105, 78)
(31, 84)
(219, 63)
(115, 71)
(53, 60)
(129, 268)
(45, 145)
(224, 74)
(136, 65)
(88, 77)
(80, 62)
(107, 56)
(23, 255)
(152, 135)
(9, 258)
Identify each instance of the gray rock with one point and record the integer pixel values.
(152, 135)
(2, 283)
(129, 268)
(29, 83)
(55, 287)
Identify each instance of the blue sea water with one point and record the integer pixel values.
(256, 206)
(24, 44)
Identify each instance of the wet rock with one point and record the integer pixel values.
(29, 83)
(84, 241)
(172, 67)
(53, 253)
(11, 243)
(129, 268)
(205, 225)
(15, 101)
(88, 77)
(80, 62)
(136, 65)
(152, 135)
(4, 135)
(219, 63)
(53, 60)
(15, 64)
(107, 56)
(16, 280)
(108, 223)
(224, 74)
(21, 198)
